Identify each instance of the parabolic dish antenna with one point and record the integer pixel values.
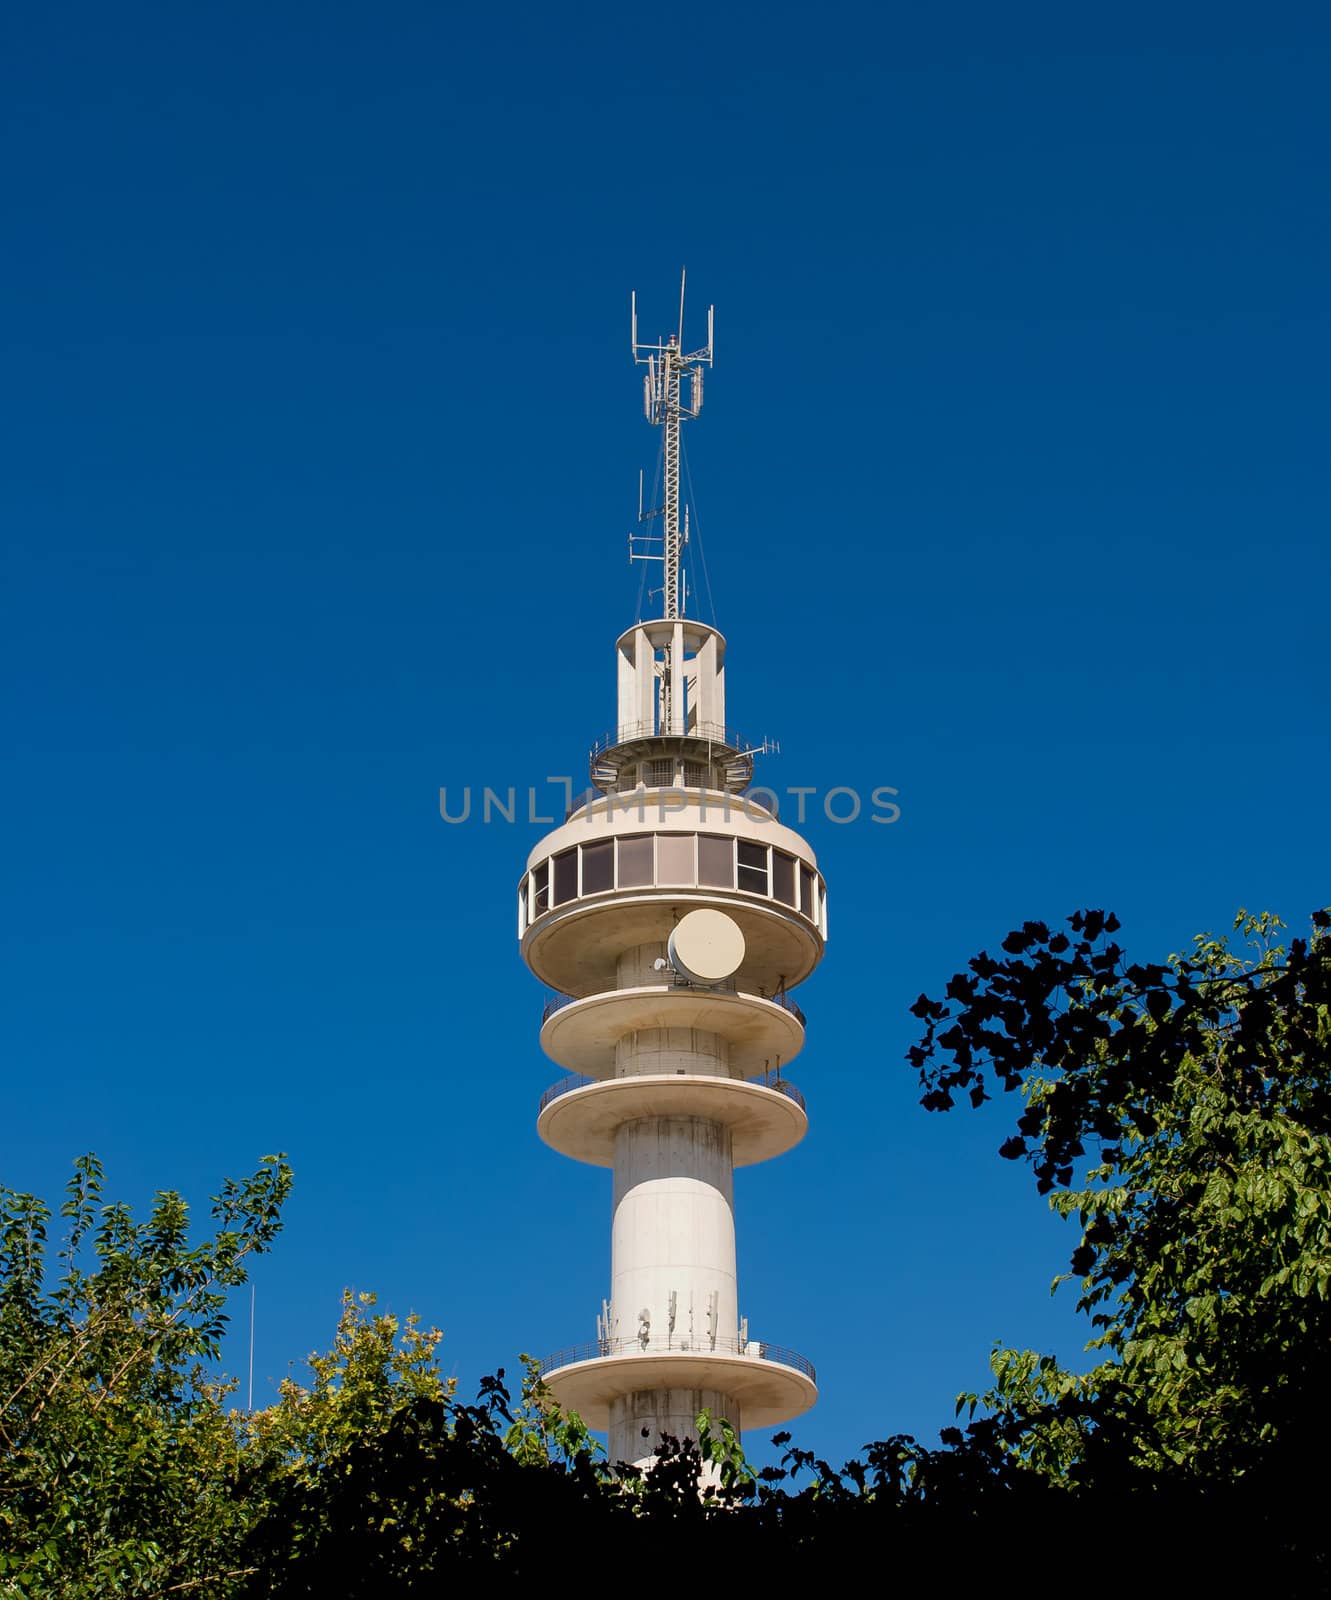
(706, 946)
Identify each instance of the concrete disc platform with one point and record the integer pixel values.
(575, 949)
(582, 1035)
(768, 1392)
(763, 1122)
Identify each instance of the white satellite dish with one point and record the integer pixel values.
(706, 946)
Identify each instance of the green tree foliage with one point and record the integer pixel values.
(1198, 1092)
(374, 1479)
(378, 1481)
(117, 1453)
(1194, 1094)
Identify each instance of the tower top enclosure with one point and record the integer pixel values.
(672, 684)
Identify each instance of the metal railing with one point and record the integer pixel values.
(575, 1080)
(778, 1085)
(753, 1349)
(556, 1002)
(787, 1004)
(712, 733)
(768, 1080)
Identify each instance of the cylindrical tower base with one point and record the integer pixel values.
(638, 1420)
(673, 1235)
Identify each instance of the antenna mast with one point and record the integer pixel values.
(667, 366)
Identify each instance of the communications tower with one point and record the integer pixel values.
(671, 917)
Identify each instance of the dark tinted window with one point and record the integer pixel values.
(783, 877)
(674, 858)
(716, 861)
(806, 892)
(566, 876)
(598, 866)
(635, 861)
(541, 889)
(753, 867)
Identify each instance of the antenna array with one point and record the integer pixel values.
(663, 403)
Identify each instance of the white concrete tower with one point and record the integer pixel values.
(671, 918)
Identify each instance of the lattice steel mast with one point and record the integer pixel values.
(663, 387)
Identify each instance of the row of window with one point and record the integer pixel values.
(671, 860)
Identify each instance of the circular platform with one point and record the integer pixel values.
(764, 1122)
(576, 948)
(582, 1035)
(769, 1391)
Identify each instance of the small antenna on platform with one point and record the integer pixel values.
(666, 364)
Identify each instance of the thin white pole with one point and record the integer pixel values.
(250, 1406)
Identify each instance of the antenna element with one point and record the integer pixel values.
(663, 402)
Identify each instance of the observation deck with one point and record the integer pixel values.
(622, 870)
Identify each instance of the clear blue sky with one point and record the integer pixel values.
(321, 444)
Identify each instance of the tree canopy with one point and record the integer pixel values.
(118, 1453)
(1198, 1090)
(1177, 1112)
